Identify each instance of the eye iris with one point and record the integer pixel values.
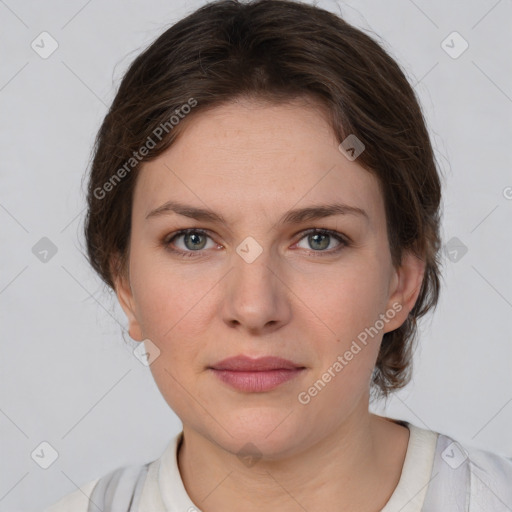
(314, 239)
(195, 237)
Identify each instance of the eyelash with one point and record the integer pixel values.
(344, 241)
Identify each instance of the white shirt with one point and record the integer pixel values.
(164, 490)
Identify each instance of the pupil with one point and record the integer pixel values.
(316, 236)
(195, 237)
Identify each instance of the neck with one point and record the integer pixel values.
(356, 466)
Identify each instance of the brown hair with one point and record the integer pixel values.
(276, 51)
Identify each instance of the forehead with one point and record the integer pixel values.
(256, 157)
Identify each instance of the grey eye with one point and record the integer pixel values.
(192, 241)
(319, 241)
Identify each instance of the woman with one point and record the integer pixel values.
(265, 202)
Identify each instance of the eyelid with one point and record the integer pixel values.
(335, 234)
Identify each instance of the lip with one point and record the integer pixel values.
(243, 363)
(256, 375)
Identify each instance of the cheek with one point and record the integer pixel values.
(169, 300)
(346, 301)
(350, 307)
(346, 362)
(176, 312)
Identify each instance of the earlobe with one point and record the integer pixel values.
(413, 275)
(405, 288)
(125, 297)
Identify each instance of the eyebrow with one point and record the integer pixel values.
(291, 217)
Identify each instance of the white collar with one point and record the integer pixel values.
(165, 486)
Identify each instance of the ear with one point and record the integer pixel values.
(405, 286)
(125, 297)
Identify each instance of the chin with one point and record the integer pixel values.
(269, 437)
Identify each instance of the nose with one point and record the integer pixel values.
(256, 295)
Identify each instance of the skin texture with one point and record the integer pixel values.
(251, 162)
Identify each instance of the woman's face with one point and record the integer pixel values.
(259, 284)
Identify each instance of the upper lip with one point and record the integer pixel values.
(243, 363)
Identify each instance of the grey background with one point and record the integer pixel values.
(67, 376)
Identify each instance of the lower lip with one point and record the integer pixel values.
(256, 381)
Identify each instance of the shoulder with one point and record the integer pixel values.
(469, 477)
(78, 500)
(121, 487)
(483, 463)
(491, 476)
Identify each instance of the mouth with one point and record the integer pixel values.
(256, 375)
